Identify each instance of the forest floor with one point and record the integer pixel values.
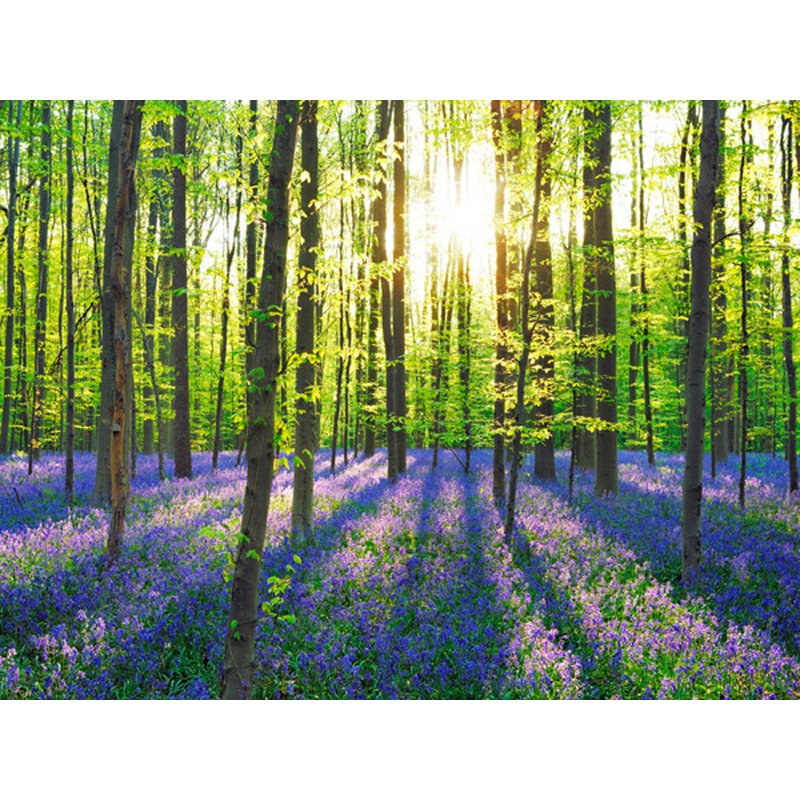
(410, 590)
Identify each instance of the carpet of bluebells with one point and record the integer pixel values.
(409, 591)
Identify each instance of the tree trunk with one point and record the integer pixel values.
(226, 307)
(462, 292)
(101, 494)
(239, 654)
(698, 334)
(8, 353)
(121, 213)
(69, 471)
(153, 261)
(501, 309)
(147, 345)
(251, 246)
(720, 367)
(359, 155)
(645, 310)
(544, 452)
(180, 344)
(40, 332)
(744, 227)
(788, 320)
(525, 289)
(340, 354)
(682, 318)
(305, 441)
(398, 286)
(606, 439)
(634, 354)
(379, 264)
(587, 403)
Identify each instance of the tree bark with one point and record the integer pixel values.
(226, 307)
(606, 439)
(239, 655)
(122, 221)
(525, 290)
(787, 174)
(180, 319)
(744, 227)
(305, 441)
(12, 148)
(398, 285)
(40, 332)
(153, 260)
(587, 403)
(501, 308)
(698, 334)
(101, 493)
(645, 310)
(544, 450)
(379, 264)
(721, 410)
(69, 471)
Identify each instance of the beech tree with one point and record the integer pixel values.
(698, 335)
(69, 441)
(305, 439)
(239, 655)
(544, 451)
(40, 332)
(180, 321)
(123, 212)
(787, 174)
(606, 437)
(12, 149)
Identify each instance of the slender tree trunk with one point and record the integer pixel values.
(101, 494)
(12, 147)
(226, 306)
(340, 355)
(698, 334)
(305, 441)
(788, 320)
(544, 452)
(122, 213)
(587, 403)
(180, 317)
(634, 355)
(501, 309)
(398, 286)
(371, 369)
(69, 477)
(606, 439)
(514, 248)
(22, 341)
(516, 452)
(744, 226)
(442, 360)
(153, 260)
(645, 309)
(572, 238)
(239, 654)
(251, 246)
(684, 172)
(147, 346)
(379, 263)
(462, 292)
(359, 156)
(720, 367)
(40, 332)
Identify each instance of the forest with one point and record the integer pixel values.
(399, 399)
